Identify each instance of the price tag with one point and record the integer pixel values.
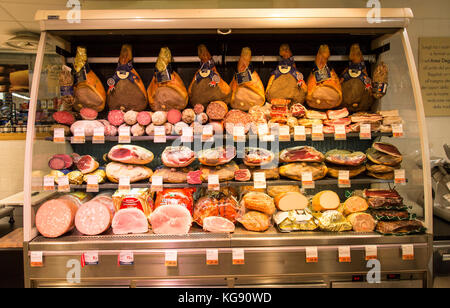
(312, 255)
(284, 133)
(157, 183)
(344, 179)
(317, 132)
(407, 252)
(78, 135)
(49, 183)
(92, 183)
(187, 134)
(239, 133)
(307, 180)
(58, 135)
(263, 129)
(238, 256)
(208, 133)
(339, 132)
(89, 258)
(397, 130)
(124, 183)
(36, 259)
(371, 252)
(212, 257)
(125, 258)
(124, 134)
(160, 134)
(99, 135)
(63, 184)
(299, 133)
(344, 254)
(259, 180)
(171, 258)
(267, 138)
(365, 131)
(399, 176)
(213, 182)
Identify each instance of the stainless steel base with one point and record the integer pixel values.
(272, 259)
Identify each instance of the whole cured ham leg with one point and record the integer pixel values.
(166, 90)
(126, 90)
(324, 88)
(247, 87)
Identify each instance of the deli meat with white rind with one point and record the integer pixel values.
(387, 148)
(94, 217)
(257, 156)
(337, 114)
(301, 154)
(87, 125)
(171, 219)
(217, 224)
(342, 121)
(129, 220)
(217, 156)
(130, 154)
(177, 157)
(114, 171)
(56, 217)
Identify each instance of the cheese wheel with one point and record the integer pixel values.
(325, 200)
(291, 201)
(355, 204)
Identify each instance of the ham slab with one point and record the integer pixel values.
(217, 224)
(129, 220)
(171, 219)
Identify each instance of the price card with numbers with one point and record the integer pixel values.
(307, 180)
(344, 179)
(171, 258)
(63, 184)
(339, 132)
(400, 176)
(365, 131)
(99, 135)
(157, 183)
(407, 252)
(89, 258)
(124, 183)
(397, 130)
(284, 133)
(238, 256)
(371, 252)
(212, 256)
(213, 182)
(344, 254)
(49, 183)
(208, 133)
(267, 138)
(187, 134)
(78, 135)
(159, 134)
(92, 183)
(125, 258)
(317, 132)
(263, 129)
(58, 135)
(36, 259)
(239, 133)
(312, 256)
(124, 134)
(259, 180)
(299, 133)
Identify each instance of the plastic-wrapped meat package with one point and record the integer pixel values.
(217, 224)
(171, 219)
(129, 220)
(176, 196)
(216, 204)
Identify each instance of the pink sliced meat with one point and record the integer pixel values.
(177, 157)
(194, 177)
(130, 220)
(56, 163)
(343, 121)
(199, 108)
(64, 117)
(144, 118)
(116, 117)
(387, 149)
(301, 154)
(56, 217)
(337, 114)
(298, 110)
(171, 219)
(93, 218)
(87, 164)
(242, 175)
(381, 193)
(88, 114)
(68, 161)
(330, 129)
(217, 224)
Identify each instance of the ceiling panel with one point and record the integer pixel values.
(26, 11)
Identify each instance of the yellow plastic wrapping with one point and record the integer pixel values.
(332, 221)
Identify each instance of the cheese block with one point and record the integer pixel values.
(325, 200)
(291, 201)
(355, 204)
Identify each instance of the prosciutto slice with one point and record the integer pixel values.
(177, 157)
(129, 220)
(301, 154)
(217, 224)
(171, 219)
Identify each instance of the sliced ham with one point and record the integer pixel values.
(130, 220)
(171, 219)
(177, 157)
(217, 224)
(130, 154)
(301, 154)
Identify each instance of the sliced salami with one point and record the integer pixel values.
(64, 117)
(217, 110)
(144, 118)
(116, 117)
(88, 114)
(237, 118)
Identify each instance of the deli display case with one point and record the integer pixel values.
(330, 254)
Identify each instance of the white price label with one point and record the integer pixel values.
(92, 183)
(312, 255)
(339, 132)
(213, 182)
(59, 135)
(344, 254)
(212, 257)
(157, 183)
(124, 134)
(238, 256)
(371, 252)
(187, 134)
(284, 133)
(365, 131)
(78, 135)
(344, 179)
(124, 183)
(408, 252)
(171, 258)
(263, 129)
(208, 133)
(397, 130)
(267, 138)
(299, 133)
(89, 258)
(307, 180)
(63, 184)
(125, 258)
(400, 176)
(36, 259)
(160, 134)
(239, 133)
(49, 183)
(317, 132)
(99, 135)
(259, 180)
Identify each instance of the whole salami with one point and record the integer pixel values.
(237, 118)
(144, 118)
(64, 117)
(94, 217)
(188, 116)
(217, 110)
(116, 117)
(88, 114)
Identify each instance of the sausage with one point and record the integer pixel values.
(64, 117)
(199, 108)
(159, 118)
(67, 159)
(173, 116)
(178, 128)
(188, 116)
(217, 110)
(94, 217)
(144, 118)
(137, 130)
(168, 128)
(201, 118)
(88, 113)
(130, 117)
(237, 118)
(116, 117)
(150, 130)
(56, 217)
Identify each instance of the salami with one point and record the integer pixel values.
(159, 118)
(173, 116)
(56, 163)
(178, 128)
(175, 157)
(217, 110)
(130, 117)
(94, 217)
(144, 118)
(237, 118)
(64, 117)
(67, 159)
(194, 177)
(137, 130)
(242, 175)
(56, 217)
(116, 117)
(188, 115)
(201, 118)
(88, 114)
(87, 125)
